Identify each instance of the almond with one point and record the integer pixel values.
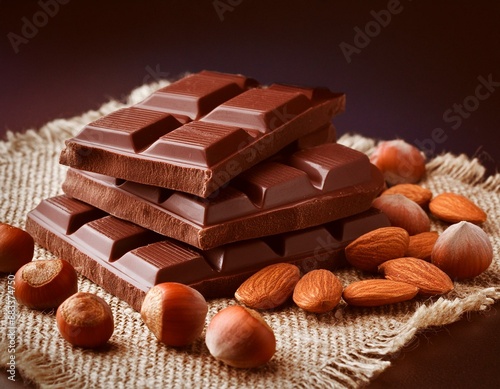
(453, 208)
(414, 192)
(269, 287)
(318, 291)
(428, 278)
(375, 292)
(375, 247)
(403, 212)
(421, 245)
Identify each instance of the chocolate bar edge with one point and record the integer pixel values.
(322, 209)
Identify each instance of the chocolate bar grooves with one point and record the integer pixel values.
(205, 182)
(306, 188)
(144, 258)
(254, 124)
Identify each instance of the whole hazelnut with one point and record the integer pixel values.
(44, 284)
(175, 313)
(16, 248)
(399, 162)
(403, 212)
(85, 320)
(462, 251)
(240, 337)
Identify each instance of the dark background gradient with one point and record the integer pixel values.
(418, 77)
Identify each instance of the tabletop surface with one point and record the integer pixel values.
(427, 72)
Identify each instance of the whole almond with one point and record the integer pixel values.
(269, 287)
(421, 245)
(318, 291)
(414, 192)
(428, 278)
(376, 292)
(403, 212)
(375, 247)
(453, 208)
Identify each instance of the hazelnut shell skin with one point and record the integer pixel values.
(175, 313)
(463, 251)
(240, 337)
(399, 162)
(85, 320)
(16, 248)
(403, 212)
(45, 284)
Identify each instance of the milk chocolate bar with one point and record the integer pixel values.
(127, 260)
(306, 188)
(199, 132)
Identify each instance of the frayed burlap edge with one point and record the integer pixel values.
(351, 369)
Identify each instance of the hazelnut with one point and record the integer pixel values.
(240, 337)
(462, 251)
(403, 212)
(175, 313)
(16, 248)
(85, 320)
(399, 162)
(44, 284)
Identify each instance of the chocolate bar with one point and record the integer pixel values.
(292, 191)
(199, 132)
(127, 260)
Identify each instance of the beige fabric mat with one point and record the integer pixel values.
(345, 348)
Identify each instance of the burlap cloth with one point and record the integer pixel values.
(345, 348)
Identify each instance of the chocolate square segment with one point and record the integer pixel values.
(333, 166)
(68, 215)
(270, 184)
(130, 129)
(263, 110)
(196, 95)
(165, 261)
(241, 256)
(199, 143)
(111, 238)
(229, 203)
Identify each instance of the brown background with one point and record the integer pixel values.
(405, 81)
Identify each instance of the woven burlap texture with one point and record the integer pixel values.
(345, 348)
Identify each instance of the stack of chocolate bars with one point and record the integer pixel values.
(205, 182)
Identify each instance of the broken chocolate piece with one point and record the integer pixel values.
(200, 132)
(291, 192)
(127, 260)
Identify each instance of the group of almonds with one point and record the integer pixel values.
(409, 259)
